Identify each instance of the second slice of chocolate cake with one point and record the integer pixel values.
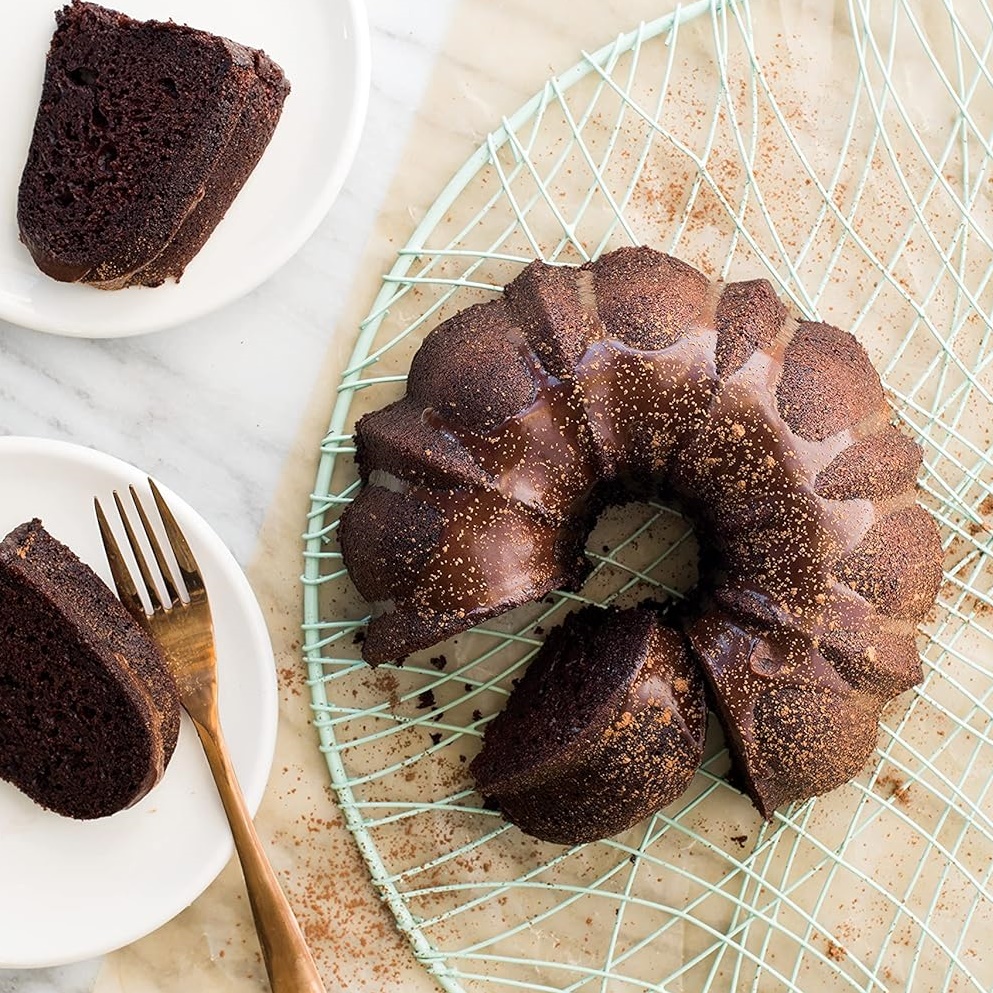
(145, 133)
(89, 713)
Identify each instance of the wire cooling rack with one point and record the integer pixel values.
(858, 178)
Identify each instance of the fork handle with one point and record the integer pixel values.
(288, 960)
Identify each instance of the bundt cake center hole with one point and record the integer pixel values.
(643, 548)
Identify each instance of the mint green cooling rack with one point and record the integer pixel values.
(857, 175)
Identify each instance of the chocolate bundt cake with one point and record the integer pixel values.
(605, 728)
(633, 375)
(145, 134)
(89, 714)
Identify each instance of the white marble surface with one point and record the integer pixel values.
(211, 407)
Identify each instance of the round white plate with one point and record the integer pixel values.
(74, 889)
(322, 46)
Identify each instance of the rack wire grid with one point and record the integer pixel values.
(858, 180)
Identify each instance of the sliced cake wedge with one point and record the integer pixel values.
(89, 713)
(145, 133)
(606, 727)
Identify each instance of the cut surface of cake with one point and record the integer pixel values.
(89, 714)
(606, 727)
(145, 133)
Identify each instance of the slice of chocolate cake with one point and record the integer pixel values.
(145, 133)
(606, 727)
(89, 714)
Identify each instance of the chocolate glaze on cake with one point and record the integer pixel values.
(634, 375)
(605, 728)
(89, 714)
(145, 133)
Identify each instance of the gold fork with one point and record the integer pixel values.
(184, 631)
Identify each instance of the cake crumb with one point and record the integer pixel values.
(836, 952)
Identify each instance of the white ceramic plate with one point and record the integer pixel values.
(74, 889)
(323, 48)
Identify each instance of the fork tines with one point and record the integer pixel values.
(127, 589)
